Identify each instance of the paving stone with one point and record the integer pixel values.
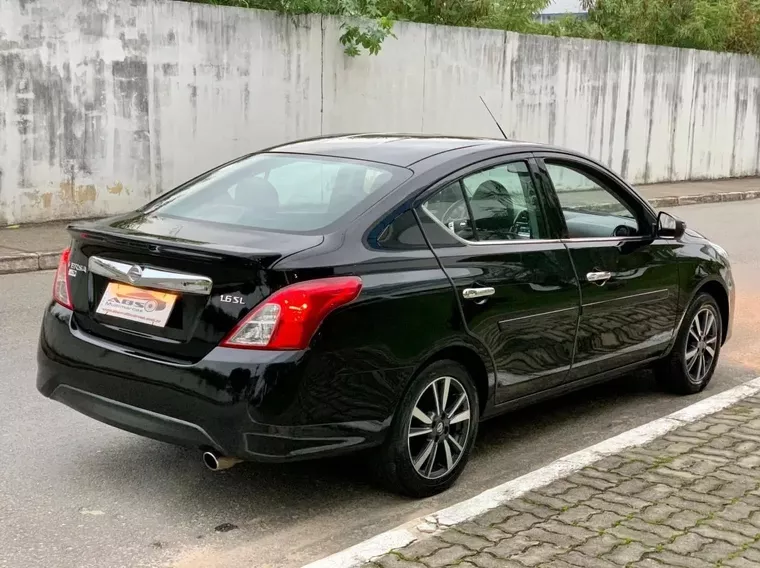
(736, 539)
(424, 547)
(692, 465)
(739, 562)
(579, 494)
(671, 480)
(649, 539)
(683, 519)
(602, 521)
(576, 514)
(752, 554)
(595, 473)
(518, 523)
(707, 484)
(393, 561)
(688, 500)
(627, 553)
(721, 443)
(495, 516)
(576, 558)
(663, 531)
(714, 453)
(484, 560)
(656, 493)
(560, 540)
(679, 503)
(556, 488)
(540, 554)
(735, 489)
(609, 463)
(592, 482)
(657, 513)
(476, 543)
(717, 429)
(687, 543)
(632, 468)
(715, 501)
(577, 533)
(746, 447)
(631, 486)
(474, 529)
(446, 556)
(555, 503)
(509, 547)
(672, 559)
(744, 529)
(749, 462)
(599, 545)
(523, 506)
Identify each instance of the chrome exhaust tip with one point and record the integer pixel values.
(215, 462)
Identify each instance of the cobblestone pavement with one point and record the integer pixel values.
(689, 499)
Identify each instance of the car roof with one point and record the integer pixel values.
(396, 149)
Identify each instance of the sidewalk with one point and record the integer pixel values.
(36, 247)
(689, 499)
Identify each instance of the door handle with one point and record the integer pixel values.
(475, 293)
(599, 278)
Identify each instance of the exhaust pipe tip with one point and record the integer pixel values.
(215, 462)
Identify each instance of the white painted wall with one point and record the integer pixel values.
(105, 104)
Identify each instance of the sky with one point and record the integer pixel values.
(562, 6)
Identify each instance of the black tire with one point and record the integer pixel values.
(393, 461)
(674, 373)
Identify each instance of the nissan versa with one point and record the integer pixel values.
(376, 292)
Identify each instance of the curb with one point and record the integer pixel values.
(433, 524)
(721, 197)
(32, 261)
(28, 261)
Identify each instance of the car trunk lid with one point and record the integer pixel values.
(184, 284)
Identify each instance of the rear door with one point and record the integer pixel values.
(629, 280)
(516, 286)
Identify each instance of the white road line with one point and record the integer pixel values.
(491, 498)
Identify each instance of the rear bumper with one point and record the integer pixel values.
(254, 405)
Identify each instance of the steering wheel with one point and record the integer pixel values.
(459, 207)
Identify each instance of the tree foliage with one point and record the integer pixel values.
(717, 25)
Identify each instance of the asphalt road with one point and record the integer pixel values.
(75, 493)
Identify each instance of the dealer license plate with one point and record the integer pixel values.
(137, 304)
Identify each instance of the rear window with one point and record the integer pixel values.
(283, 192)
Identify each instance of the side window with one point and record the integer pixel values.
(504, 203)
(402, 234)
(449, 207)
(591, 210)
(497, 204)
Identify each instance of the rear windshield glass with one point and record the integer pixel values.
(283, 192)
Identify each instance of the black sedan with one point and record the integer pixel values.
(376, 292)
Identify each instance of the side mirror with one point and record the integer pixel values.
(668, 227)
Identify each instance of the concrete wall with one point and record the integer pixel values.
(105, 104)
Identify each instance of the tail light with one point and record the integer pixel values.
(289, 318)
(61, 290)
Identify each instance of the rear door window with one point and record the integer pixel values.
(285, 192)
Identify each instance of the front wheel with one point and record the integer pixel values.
(432, 433)
(691, 364)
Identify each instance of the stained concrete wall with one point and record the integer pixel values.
(105, 104)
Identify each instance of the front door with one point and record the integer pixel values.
(629, 281)
(516, 287)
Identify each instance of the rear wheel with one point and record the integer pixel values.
(691, 364)
(432, 433)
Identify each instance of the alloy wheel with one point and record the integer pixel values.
(701, 345)
(439, 428)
